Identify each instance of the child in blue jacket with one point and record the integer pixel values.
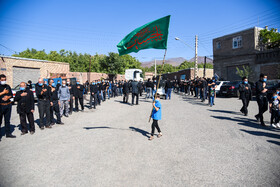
(156, 115)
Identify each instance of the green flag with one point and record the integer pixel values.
(150, 35)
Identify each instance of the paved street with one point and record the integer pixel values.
(200, 146)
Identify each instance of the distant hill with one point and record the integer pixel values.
(176, 61)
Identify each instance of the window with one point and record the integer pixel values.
(237, 42)
(218, 45)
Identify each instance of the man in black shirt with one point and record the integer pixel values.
(203, 89)
(70, 87)
(261, 96)
(93, 94)
(54, 104)
(135, 91)
(43, 94)
(125, 91)
(29, 85)
(78, 90)
(245, 95)
(25, 108)
(168, 88)
(5, 106)
(149, 86)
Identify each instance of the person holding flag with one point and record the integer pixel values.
(151, 35)
(156, 115)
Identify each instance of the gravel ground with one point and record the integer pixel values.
(200, 146)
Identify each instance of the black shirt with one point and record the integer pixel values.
(2, 87)
(93, 89)
(54, 94)
(45, 95)
(25, 103)
(260, 88)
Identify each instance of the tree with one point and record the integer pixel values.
(246, 71)
(269, 39)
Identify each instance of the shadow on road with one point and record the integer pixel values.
(259, 133)
(2, 130)
(226, 111)
(274, 142)
(122, 102)
(103, 127)
(134, 129)
(144, 133)
(246, 122)
(195, 101)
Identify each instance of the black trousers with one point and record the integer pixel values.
(275, 115)
(55, 109)
(155, 125)
(30, 117)
(137, 98)
(263, 106)
(125, 97)
(71, 104)
(245, 102)
(104, 95)
(5, 111)
(81, 101)
(44, 110)
(115, 92)
(93, 96)
(98, 98)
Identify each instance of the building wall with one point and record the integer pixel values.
(227, 59)
(189, 74)
(46, 67)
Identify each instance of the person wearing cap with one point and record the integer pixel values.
(25, 108)
(156, 115)
(5, 106)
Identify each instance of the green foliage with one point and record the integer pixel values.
(270, 39)
(246, 71)
(111, 63)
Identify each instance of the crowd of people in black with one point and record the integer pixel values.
(59, 99)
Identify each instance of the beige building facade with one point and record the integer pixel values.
(23, 69)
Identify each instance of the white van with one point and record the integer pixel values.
(134, 74)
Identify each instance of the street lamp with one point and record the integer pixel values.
(195, 64)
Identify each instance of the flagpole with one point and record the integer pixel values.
(158, 82)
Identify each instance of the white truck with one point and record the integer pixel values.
(134, 74)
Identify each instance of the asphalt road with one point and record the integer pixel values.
(200, 146)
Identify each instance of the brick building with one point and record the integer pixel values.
(241, 49)
(22, 69)
(188, 74)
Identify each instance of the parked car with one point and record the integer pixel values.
(219, 84)
(230, 89)
(161, 89)
(15, 89)
(272, 85)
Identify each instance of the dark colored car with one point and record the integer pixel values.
(271, 86)
(230, 89)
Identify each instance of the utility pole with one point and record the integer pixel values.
(195, 65)
(89, 69)
(155, 68)
(204, 70)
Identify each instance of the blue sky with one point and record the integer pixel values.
(95, 26)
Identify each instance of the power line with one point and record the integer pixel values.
(8, 48)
